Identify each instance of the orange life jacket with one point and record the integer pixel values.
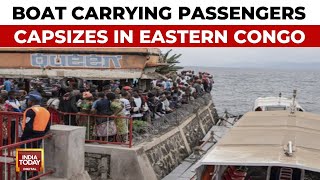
(41, 118)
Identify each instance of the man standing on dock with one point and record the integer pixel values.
(35, 122)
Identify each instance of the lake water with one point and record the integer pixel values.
(237, 89)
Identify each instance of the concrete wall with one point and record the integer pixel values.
(99, 165)
(64, 153)
(156, 158)
(124, 163)
(167, 155)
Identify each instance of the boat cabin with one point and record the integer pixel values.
(275, 104)
(269, 145)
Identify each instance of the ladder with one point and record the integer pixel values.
(285, 173)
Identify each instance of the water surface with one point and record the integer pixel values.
(236, 89)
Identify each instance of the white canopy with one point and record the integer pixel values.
(264, 102)
(260, 138)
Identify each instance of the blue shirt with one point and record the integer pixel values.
(7, 85)
(103, 107)
(94, 104)
(168, 84)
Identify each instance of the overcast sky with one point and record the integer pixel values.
(249, 57)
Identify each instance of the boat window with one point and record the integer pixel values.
(245, 172)
(311, 175)
(275, 108)
(299, 109)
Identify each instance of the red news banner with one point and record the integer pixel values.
(160, 36)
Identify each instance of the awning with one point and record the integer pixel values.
(152, 64)
(92, 74)
(89, 50)
(152, 75)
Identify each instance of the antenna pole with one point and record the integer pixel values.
(293, 108)
(280, 98)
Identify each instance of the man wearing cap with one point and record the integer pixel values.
(35, 122)
(127, 88)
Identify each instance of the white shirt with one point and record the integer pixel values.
(154, 83)
(165, 105)
(15, 103)
(126, 105)
(138, 103)
(184, 81)
(192, 90)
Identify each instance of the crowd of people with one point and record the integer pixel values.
(107, 99)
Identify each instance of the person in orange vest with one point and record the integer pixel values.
(35, 122)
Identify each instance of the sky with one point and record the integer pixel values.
(249, 57)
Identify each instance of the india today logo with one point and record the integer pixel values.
(29, 160)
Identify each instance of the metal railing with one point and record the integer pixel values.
(8, 160)
(100, 129)
(134, 133)
(10, 127)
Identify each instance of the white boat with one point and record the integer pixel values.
(267, 145)
(277, 104)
